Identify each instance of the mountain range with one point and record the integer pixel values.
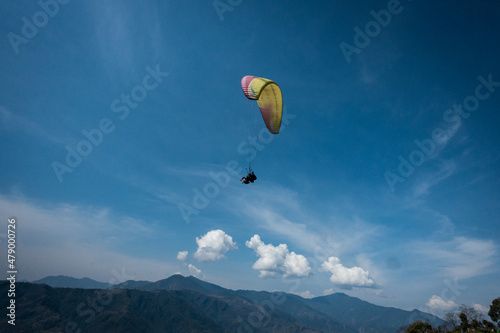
(187, 304)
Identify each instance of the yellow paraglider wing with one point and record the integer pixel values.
(269, 98)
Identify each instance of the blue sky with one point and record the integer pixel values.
(124, 133)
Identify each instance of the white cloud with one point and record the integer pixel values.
(437, 304)
(182, 255)
(328, 291)
(304, 294)
(296, 265)
(351, 277)
(213, 246)
(481, 308)
(277, 259)
(194, 271)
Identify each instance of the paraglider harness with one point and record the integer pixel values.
(250, 177)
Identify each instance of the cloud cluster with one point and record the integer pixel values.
(437, 304)
(213, 245)
(343, 276)
(278, 259)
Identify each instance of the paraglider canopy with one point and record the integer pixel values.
(268, 96)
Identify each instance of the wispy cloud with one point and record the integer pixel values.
(182, 255)
(13, 121)
(115, 32)
(425, 182)
(80, 241)
(460, 257)
(196, 272)
(279, 211)
(303, 294)
(114, 35)
(276, 223)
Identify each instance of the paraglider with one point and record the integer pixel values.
(250, 178)
(270, 100)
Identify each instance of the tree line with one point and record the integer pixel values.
(466, 320)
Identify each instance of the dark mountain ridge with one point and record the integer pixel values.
(175, 282)
(62, 281)
(212, 307)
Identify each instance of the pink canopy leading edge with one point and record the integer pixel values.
(268, 96)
